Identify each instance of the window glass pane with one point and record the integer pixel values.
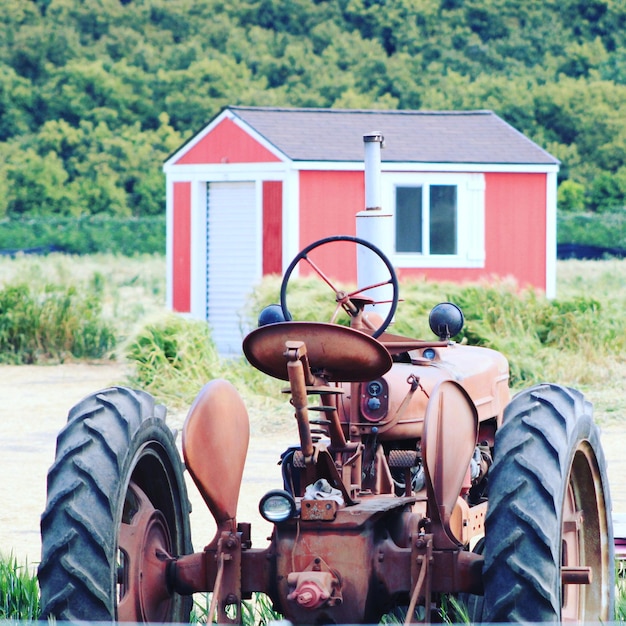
(443, 219)
(408, 219)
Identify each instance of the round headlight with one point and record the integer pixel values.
(277, 506)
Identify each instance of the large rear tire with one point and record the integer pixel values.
(549, 510)
(116, 511)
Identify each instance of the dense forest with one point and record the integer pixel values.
(95, 94)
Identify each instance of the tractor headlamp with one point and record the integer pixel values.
(277, 506)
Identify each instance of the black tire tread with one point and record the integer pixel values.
(526, 488)
(79, 525)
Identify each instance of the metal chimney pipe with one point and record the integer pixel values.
(374, 225)
(373, 144)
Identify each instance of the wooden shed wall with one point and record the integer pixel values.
(515, 223)
(272, 227)
(329, 202)
(181, 244)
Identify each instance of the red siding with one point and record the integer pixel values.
(515, 220)
(227, 143)
(454, 275)
(515, 233)
(329, 202)
(181, 257)
(272, 227)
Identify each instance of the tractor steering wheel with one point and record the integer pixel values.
(354, 301)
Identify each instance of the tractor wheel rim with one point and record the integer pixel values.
(144, 553)
(582, 537)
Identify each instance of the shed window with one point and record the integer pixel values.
(426, 219)
(439, 219)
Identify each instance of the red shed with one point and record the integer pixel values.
(257, 184)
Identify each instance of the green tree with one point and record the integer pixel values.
(89, 90)
(15, 104)
(571, 196)
(608, 191)
(36, 185)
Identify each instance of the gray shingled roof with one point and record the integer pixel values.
(410, 136)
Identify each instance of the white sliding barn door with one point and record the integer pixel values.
(233, 266)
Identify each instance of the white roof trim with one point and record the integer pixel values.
(479, 168)
(208, 170)
(221, 170)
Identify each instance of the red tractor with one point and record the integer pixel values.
(415, 478)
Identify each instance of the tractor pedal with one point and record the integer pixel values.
(403, 458)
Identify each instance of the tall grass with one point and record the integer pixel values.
(620, 591)
(170, 351)
(577, 338)
(52, 323)
(59, 307)
(257, 611)
(19, 592)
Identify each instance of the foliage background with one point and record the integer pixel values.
(95, 94)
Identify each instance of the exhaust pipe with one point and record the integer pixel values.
(374, 225)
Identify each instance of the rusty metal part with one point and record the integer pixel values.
(483, 374)
(295, 355)
(318, 510)
(296, 351)
(396, 344)
(335, 353)
(315, 587)
(580, 575)
(226, 599)
(215, 443)
(450, 432)
(301, 386)
(402, 410)
(343, 302)
(190, 573)
(345, 548)
(405, 460)
(329, 408)
(583, 562)
(421, 578)
(144, 546)
(468, 522)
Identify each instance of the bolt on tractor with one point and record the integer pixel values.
(415, 478)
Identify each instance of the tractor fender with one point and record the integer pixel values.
(450, 437)
(215, 441)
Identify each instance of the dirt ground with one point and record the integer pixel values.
(34, 402)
